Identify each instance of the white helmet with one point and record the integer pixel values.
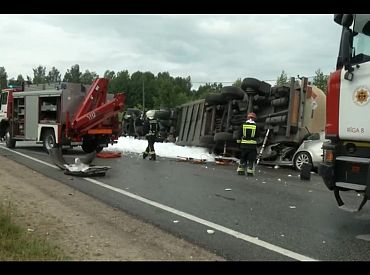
(150, 114)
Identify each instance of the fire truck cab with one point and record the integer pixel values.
(346, 161)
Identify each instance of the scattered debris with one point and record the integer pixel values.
(282, 235)
(279, 179)
(263, 182)
(175, 221)
(71, 194)
(323, 242)
(276, 167)
(289, 175)
(224, 160)
(310, 191)
(292, 206)
(358, 195)
(192, 160)
(228, 189)
(209, 231)
(30, 229)
(109, 155)
(83, 170)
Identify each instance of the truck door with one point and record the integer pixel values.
(3, 104)
(31, 117)
(354, 105)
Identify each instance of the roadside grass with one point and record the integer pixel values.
(17, 244)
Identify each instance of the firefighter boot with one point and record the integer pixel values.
(250, 171)
(240, 170)
(152, 156)
(145, 154)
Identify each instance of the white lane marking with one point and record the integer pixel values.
(218, 227)
(35, 159)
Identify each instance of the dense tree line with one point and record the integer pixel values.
(154, 91)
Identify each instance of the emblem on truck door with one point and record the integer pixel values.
(361, 96)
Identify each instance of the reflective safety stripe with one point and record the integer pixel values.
(250, 127)
(249, 141)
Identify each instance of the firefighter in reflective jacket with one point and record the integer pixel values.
(151, 129)
(248, 145)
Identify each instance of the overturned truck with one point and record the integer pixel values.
(286, 115)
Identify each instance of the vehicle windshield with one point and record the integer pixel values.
(361, 44)
(361, 40)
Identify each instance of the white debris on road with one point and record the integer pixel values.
(209, 231)
(175, 221)
(292, 206)
(168, 150)
(227, 189)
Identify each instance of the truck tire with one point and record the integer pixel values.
(9, 142)
(232, 92)
(215, 99)
(300, 159)
(305, 173)
(48, 140)
(223, 136)
(251, 83)
(89, 146)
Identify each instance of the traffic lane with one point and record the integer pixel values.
(222, 244)
(324, 246)
(297, 215)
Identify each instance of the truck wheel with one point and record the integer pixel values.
(9, 142)
(48, 140)
(89, 146)
(300, 158)
(215, 99)
(232, 92)
(251, 83)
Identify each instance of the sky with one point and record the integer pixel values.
(208, 48)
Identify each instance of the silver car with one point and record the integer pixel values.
(310, 151)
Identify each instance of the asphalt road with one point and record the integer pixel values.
(272, 216)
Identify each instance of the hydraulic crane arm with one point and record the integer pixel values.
(94, 109)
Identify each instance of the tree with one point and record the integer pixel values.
(54, 76)
(88, 77)
(39, 76)
(109, 74)
(3, 78)
(20, 80)
(238, 83)
(73, 75)
(282, 79)
(321, 80)
(29, 80)
(204, 90)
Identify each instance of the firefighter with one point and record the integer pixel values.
(248, 145)
(151, 128)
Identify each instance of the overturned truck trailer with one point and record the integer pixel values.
(288, 113)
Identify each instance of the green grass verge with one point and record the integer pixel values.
(17, 244)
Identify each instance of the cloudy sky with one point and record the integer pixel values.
(208, 48)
